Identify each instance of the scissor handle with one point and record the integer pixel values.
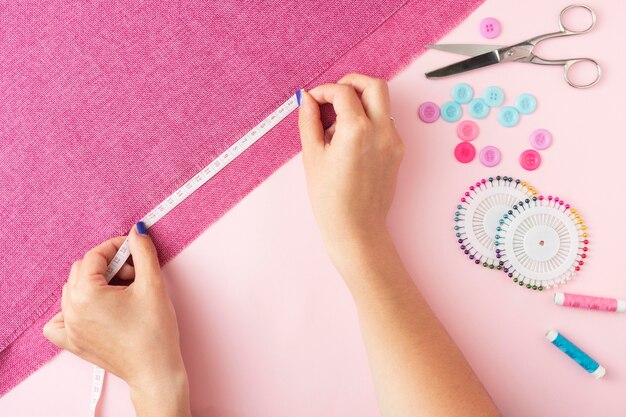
(567, 65)
(564, 30)
(571, 62)
(570, 31)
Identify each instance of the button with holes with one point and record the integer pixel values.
(462, 93)
(428, 112)
(478, 109)
(526, 103)
(490, 28)
(530, 159)
(451, 111)
(490, 156)
(508, 116)
(494, 96)
(467, 130)
(540, 139)
(464, 152)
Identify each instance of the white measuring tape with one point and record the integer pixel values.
(97, 380)
(185, 191)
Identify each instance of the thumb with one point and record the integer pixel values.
(145, 259)
(54, 331)
(310, 124)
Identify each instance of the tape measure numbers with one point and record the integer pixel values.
(206, 174)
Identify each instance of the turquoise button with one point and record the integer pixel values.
(508, 116)
(494, 96)
(462, 93)
(526, 103)
(451, 111)
(478, 109)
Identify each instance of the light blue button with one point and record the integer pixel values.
(494, 96)
(451, 111)
(508, 116)
(526, 103)
(462, 93)
(478, 109)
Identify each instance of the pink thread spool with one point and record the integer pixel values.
(589, 302)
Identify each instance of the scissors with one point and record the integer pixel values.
(485, 55)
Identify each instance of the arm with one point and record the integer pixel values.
(129, 330)
(351, 171)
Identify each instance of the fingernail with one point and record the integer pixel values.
(300, 97)
(141, 228)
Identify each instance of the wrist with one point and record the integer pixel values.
(351, 236)
(162, 395)
(373, 272)
(357, 253)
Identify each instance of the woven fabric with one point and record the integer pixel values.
(108, 107)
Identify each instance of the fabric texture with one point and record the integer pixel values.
(108, 107)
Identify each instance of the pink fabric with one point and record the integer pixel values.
(106, 108)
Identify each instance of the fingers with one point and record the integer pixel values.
(54, 331)
(374, 94)
(73, 276)
(127, 272)
(95, 262)
(310, 124)
(90, 270)
(65, 302)
(344, 99)
(145, 259)
(124, 277)
(330, 132)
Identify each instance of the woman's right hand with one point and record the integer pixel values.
(351, 171)
(351, 168)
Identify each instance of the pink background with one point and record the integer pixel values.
(269, 329)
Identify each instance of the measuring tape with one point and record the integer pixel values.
(97, 380)
(185, 191)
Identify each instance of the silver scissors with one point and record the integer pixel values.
(485, 55)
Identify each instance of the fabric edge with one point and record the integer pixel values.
(394, 69)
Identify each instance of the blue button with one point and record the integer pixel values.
(494, 96)
(451, 111)
(526, 103)
(478, 109)
(508, 116)
(462, 93)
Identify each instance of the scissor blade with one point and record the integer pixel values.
(465, 48)
(469, 64)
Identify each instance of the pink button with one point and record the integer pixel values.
(428, 112)
(490, 156)
(464, 152)
(530, 159)
(489, 28)
(467, 130)
(540, 139)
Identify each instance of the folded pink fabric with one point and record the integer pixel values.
(107, 107)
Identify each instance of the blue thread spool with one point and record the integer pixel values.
(574, 352)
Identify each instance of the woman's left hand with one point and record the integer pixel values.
(131, 330)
